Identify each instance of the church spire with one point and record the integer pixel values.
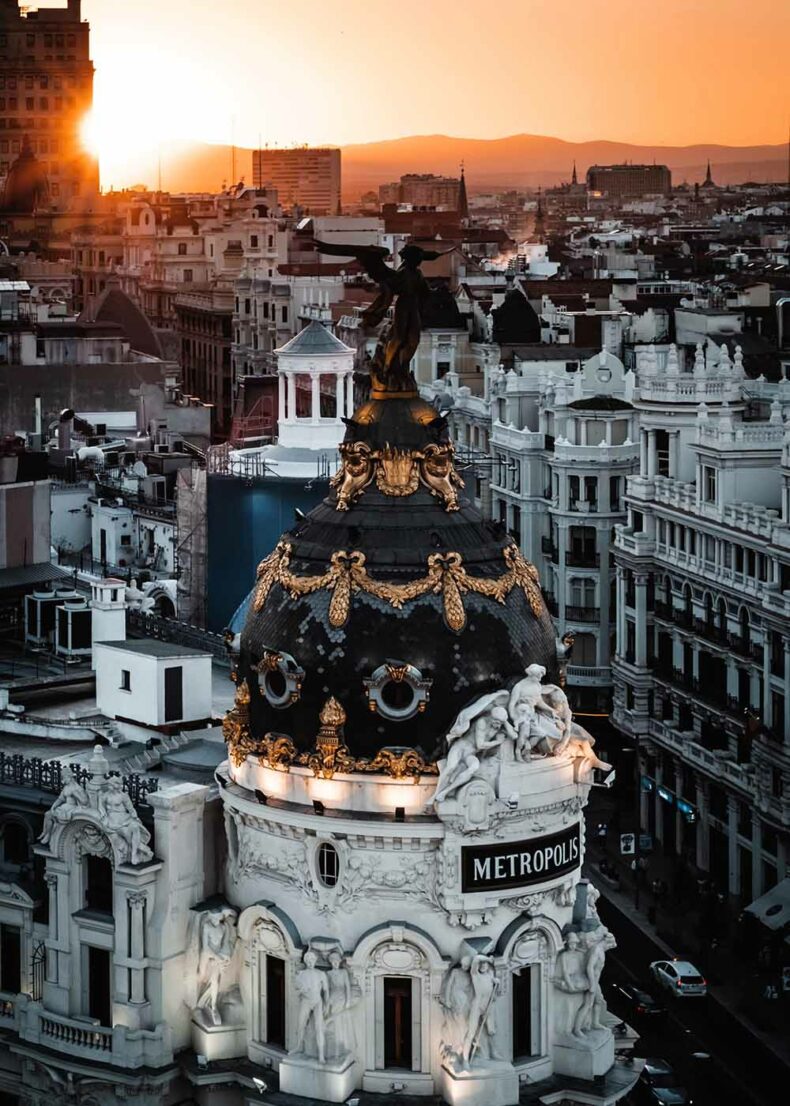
(463, 202)
(574, 178)
(708, 182)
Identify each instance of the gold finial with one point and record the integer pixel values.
(332, 715)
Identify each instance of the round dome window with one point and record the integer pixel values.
(397, 691)
(279, 679)
(328, 864)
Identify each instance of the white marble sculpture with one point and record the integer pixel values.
(532, 719)
(455, 998)
(341, 1038)
(313, 993)
(578, 976)
(137, 600)
(72, 800)
(211, 957)
(474, 743)
(481, 1028)
(104, 805)
(120, 819)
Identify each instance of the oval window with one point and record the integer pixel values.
(328, 864)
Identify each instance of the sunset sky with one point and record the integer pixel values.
(340, 71)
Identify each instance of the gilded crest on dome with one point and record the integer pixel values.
(396, 472)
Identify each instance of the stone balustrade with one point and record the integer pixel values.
(512, 438)
(121, 1046)
(740, 435)
(626, 453)
(687, 389)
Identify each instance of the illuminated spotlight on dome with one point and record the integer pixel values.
(398, 656)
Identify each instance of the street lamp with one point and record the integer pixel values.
(628, 749)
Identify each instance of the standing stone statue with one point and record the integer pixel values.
(313, 993)
(481, 1028)
(455, 998)
(210, 961)
(596, 942)
(340, 999)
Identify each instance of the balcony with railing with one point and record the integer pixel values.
(583, 614)
(548, 547)
(586, 674)
(85, 1039)
(716, 763)
(583, 558)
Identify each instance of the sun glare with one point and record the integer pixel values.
(130, 134)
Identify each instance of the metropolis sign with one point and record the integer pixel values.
(520, 863)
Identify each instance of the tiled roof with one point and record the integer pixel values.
(314, 340)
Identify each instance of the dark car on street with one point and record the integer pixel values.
(640, 1003)
(658, 1085)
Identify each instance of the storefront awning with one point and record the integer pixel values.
(773, 908)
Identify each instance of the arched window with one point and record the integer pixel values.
(16, 843)
(98, 884)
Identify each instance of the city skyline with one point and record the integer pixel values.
(593, 66)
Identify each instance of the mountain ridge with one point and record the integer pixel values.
(513, 161)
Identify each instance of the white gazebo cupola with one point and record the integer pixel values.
(316, 388)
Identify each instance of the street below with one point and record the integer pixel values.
(739, 1068)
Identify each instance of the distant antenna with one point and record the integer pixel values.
(233, 150)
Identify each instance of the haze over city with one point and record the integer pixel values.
(257, 72)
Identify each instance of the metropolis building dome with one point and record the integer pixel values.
(403, 794)
(394, 568)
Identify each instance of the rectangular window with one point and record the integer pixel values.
(126, 680)
(188, 274)
(284, 313)
(10, 959)
(99, 983)
(709, 484)
(253, 241)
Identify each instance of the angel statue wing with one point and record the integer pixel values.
(371, 258)
(474, 710)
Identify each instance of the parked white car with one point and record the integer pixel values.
(679, 977)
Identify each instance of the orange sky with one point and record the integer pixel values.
(339, 71)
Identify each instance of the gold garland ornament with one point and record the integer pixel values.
(446, 576)
(330, 754)
(398, 472)
(236, 726)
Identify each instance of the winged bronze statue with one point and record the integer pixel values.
(390, 369)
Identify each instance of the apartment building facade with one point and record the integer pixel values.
(702, 667)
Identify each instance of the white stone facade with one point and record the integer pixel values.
(552, 450)
(703, 655)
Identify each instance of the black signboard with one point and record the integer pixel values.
(520, 863)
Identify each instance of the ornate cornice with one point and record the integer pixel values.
(329, 755)
(446, 576)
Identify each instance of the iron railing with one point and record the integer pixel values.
(48, 775)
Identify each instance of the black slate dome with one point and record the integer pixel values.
(327, 626)
(26, 186)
